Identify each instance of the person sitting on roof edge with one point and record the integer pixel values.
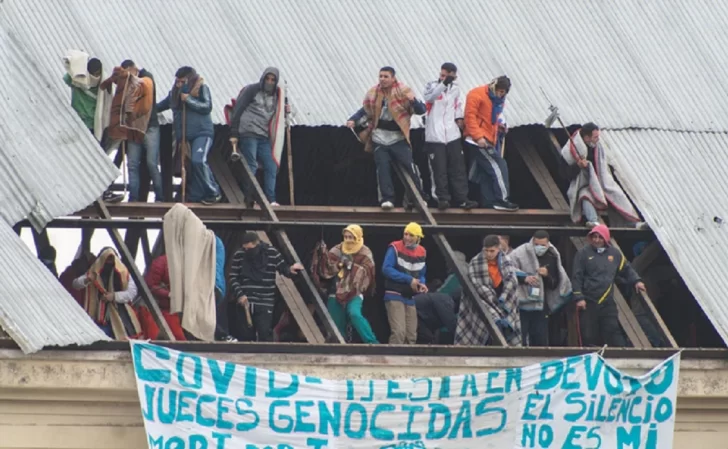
(131, 109)
(190, 101)
(83, 76)
(404, 270)
(388, 108)
(253, 281)
(110, 291)
(592, 186)
(258, 123)
(150, 143)
(494, 278)
(350, 265)
(544, 287)
(485, 130)
(443, 130)
(597, 266)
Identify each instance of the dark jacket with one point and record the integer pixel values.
(153, 119)
(595, 274)
(247, 96)
(199, 122)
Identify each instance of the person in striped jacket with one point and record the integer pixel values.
(253, 282)
(404, 270)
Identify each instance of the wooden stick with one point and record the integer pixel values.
(247, 316)
(123, 165)
(291, 191)
(183, 149)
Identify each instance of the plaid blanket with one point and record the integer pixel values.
(354, 274)
(398, 104)
(503, 309)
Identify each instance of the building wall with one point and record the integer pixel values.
(75, 400)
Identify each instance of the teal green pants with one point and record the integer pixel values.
(353, 313)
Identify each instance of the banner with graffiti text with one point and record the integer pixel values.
(193, 402)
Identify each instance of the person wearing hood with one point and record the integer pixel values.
(254, 121)
(253, 282)
(350, 265)
(109, 292)
(443, 130)
(404, 270)
(387, 111)
(543, 286)
(592, 186)
(190, 100)
(485, 130)
(597, 266)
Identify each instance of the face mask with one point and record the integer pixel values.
(600, 250)
(268, 88)
(540, 250)
(252, 252)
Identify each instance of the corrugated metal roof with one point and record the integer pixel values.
(48, 167)
(35, 309)
(621, 64)
(679, 179)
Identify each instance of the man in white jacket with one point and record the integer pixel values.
(443, 128)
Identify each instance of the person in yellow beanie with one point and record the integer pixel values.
(404, 271)
(350, 265)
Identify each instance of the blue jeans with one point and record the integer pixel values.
(201, 185)
(134, 160)
(589, 212)
(258, 149)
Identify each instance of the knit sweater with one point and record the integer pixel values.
(263, 292)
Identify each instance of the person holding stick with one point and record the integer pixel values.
(258, 125)
(191, 104)
(485, 131)
(253, 282)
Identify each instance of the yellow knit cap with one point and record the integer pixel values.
(414, 229)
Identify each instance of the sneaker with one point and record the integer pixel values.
(506, 206)
(468, 204)
(111, 197)
(230, 339)
(274, 204)
(591, 224)
(211, 201)
(642, 226)
(408, 205)
(443, 204)
(387, 205)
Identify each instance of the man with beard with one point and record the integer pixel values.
(592, 186)
(253, 282)
(256, 123)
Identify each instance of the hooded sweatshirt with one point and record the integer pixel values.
(255, 108)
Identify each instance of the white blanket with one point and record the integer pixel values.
(594, 183)
(76, 63)
(525, 260)
(190, 249)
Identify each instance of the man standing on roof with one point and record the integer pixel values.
(597, 266)
(543, 286)
(388, 108)
(443, 130)
(494, 278)
(255, 123)
(190, 101)
(404, 270)
(485, 129)
(150, 144)
(592, 186)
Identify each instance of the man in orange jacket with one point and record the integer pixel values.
(485, 128)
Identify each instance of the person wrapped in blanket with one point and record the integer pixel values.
(494, 278)
(109, 293)
(351, 265)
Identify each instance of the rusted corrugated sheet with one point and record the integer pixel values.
(622, 64)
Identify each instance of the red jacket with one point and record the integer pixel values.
(158, 281)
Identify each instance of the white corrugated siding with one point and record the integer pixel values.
(680, 180)
(35, 310)
(630, 63)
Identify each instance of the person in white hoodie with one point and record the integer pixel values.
(443, 130)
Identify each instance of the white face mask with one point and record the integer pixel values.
(540, 250)
(600, 250)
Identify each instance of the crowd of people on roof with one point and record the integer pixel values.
(518, 288)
